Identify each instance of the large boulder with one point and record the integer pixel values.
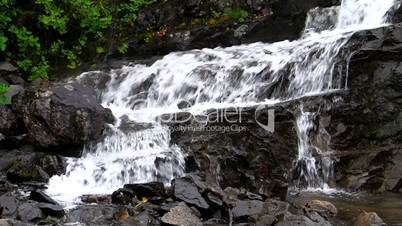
(240, 151)
(369, 219)
(186, 190)
(181, 215)
(28, 166)
(8, 120)
(364, 123)
(29, 212)
(8, 205)
(61, 115)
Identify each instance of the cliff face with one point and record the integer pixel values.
(182, 25)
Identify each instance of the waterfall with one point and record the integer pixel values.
(138, 149)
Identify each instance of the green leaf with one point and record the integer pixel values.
(100, 50)
(123, 48)
(3, 43)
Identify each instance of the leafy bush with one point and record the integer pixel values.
(237, 14)
(3, 91)
(39, 35)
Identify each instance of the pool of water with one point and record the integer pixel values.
(387, 205)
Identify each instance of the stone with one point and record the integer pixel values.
(324, 208)
(266, 220)
(6, 222)
(276, 208)
(247, 208)
(29, 212)
(14, 90)
(185, 190)
(148, 190)
(123, 196)
(369, 219)
(98, 199)
(7, 67)
(301, 220)
(181, 215)
(8, 204)
(92, 214)
(145, 219)
(62, 115)
(364, 123)
(8, 120)
(40, 196)
(263, 171)
(51, 209)
(21, 172)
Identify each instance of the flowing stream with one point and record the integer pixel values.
(138, 149)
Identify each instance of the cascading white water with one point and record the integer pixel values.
(241, 75)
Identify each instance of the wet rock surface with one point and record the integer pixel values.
(178, 25)
(257, 171)
(61, 115)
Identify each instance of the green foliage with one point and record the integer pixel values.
(237, 14)
(129, 11)
(38, 35)
(39, 71)
(4, 88)
(3, 91)
(3, 42)
(123, 48)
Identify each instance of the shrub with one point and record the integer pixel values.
(39, 35)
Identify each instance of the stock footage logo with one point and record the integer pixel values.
(225, 119)
(265, 117)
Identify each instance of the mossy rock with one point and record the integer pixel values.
(21, 171)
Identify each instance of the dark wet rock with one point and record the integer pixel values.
(246, 154)
(145, 218)
(6, 186)
(181, 215)
(7, 222)
(29, 212)
(176, 25)
(215, 222)
(26, 165)
(98, 199)
(40, 196)
(303, 221)
(52, 164)
(8, 120)
(6, 67)
(243, 209)
(14, 90)
(123, 196)
(364, 123)
(214, 199)
(321, 19)
(276, 208)
(361, 126)
(324, 208)
(22, 171)
(97, 80)
(51, 209)
(8, 205)
(184, 189)
(61, 115)
(92, 214)
(147, 190)
(266, 220)
(369, 219)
